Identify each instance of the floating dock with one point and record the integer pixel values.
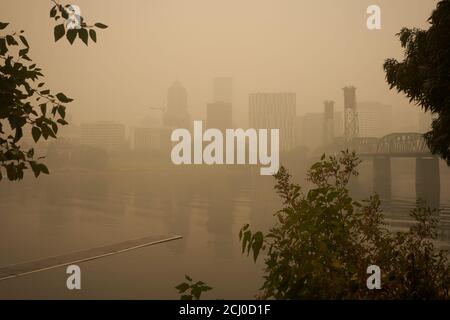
(26, 268)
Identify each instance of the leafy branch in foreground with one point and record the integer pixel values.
(25, 105)
(423, 75)
(323, 242)
(190, 290)
(73, 24)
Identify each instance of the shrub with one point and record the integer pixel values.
(324, 241)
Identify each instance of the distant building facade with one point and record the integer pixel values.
(147, 139)
(219, 115)
(311, 132)
(328, 123)
(274, 111)
(311, 129)
(109, 136)
(375, 119)
(176, 115)
(351, 128)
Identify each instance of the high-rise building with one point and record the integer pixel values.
(375, 119)
(176, 115)
(147, 139)
(311, 129)
(223, 90)
(109, 136)
(312, 134)
(274, 111)
(219, 115)
(328, 123)
(351, 129)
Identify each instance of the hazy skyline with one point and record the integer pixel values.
(312, 49)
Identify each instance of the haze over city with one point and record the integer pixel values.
(198, 127)
(311, 48)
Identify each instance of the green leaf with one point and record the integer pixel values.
(53, 12)
(62, 97)
(36, 133)
(11, 41)
(101, 25)
(3, 25)
(44, 92)
(24, 41)
(55, 127)
(3, 47)
(64, 12)
(43, 107)
(59, 31)
(196, 292)
(83, 34)
(93, 35)
(246, 238)
(62, 111)
(44, 168)
(183, 287)
(23, 52)
(71, 35)
(11, 172)
(36, 169)
(258, 239)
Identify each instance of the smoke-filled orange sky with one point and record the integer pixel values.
(313, 48)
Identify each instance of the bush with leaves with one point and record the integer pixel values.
(191, 290)
(324, 241)
(424, 74)
(70, 28)
(25, 105)
(24, 102)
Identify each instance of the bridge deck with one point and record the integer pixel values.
(395, 155)
(25, 268)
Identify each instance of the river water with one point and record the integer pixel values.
(72, 210)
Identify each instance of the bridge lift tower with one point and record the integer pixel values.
(351, 125)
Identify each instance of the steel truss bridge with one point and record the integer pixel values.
(401, 145)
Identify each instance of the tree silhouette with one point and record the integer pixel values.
(424, 74)
(73, 24)
(25, 104)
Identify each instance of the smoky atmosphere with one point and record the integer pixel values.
(210, 149)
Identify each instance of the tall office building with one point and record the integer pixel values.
(223, 90)
(148, 139)
(109, 136)
(311, 134)
(274, 111)
(328, 123)
(312, 129)
(219, 115)
(176, 115)
(350, 114)
(375, 119)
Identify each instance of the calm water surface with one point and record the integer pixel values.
(70, 211)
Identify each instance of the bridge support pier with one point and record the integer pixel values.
(382, 177)
(428, 184)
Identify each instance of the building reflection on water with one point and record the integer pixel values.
(66, 212)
